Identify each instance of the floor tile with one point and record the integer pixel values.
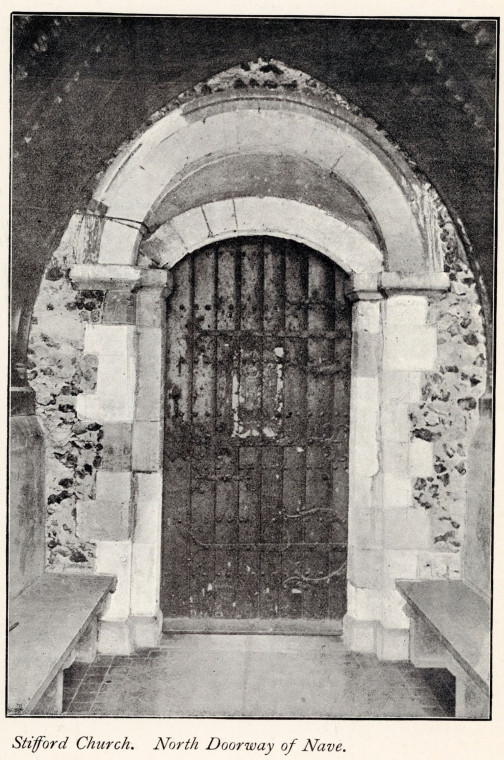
(212, 675)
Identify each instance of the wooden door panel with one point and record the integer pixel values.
(256, 434)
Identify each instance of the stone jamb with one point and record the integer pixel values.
(392, 531)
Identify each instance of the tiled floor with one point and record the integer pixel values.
(213, 675)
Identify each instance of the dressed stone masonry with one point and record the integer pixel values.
(418, 355)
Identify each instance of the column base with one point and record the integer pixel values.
(359, 635)
(391, 643)
(146, 629)
(115, 637)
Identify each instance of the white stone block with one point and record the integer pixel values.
(147, 630)
(365, 527)
(115, 637)
(407, 310)
(114, 397)
(396, 491)
(365, 567)
(220, 217)
(394, 458)
(192, 228)
(360, 490)
(391, 643)
(358, 635)
(148, 507)
(114, 558)
(142, 152)
(393, 605)
(119, 242)
(406, 528)
(400, 564)
(415, 382)
(364, 462)
(367, 174)
(269, 128)
(409, 348)
(150, 376)
(366, 317)
(327, 144)
(252, 214)
(395, 422)
(420, 458)
(363, 603)
(165, 247)
(113, 486)
(144, 579)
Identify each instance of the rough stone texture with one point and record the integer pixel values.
(448, 413)
(59, 371)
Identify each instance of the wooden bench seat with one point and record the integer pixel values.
(52, 622)
(450, 628)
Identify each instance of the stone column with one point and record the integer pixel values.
(147, 456)
(392, 347)
(409, 350)
(365, 551)
(107, 520)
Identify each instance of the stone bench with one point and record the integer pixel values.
(52, 622)
(450, 628)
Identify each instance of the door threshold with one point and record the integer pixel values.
(271, 626)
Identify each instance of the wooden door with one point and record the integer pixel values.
(256, 435)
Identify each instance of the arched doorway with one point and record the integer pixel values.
(256, 434)
(294, 162)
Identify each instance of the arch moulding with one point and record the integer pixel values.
(149, 211)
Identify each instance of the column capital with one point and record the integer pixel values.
(428, 283)
(105, 277)
(364, 287)
(161, 279)
(374, 286)
(119, 277)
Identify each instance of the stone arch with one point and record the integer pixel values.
(108, 283)
(279, 217)
(304, 120)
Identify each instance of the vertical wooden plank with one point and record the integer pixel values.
(227, 369)
(226, 495)
(341, 422)
(296, 283)
(251, 285)
(247, 591)
(203, 413)
(270, 581)
(273, 344)
(249, 494)
(177, 447)
(203, 401)
(202, 575)
(295, 422)
(227, 373)
(320, 347)
(294, 494)
(337, 584)
(224, 586)
(226, 286)
(274, 288)
(291, 590)
(176, 516)
(316, 593)
(271, 494)
(319, 503)
(250, 381)
(320, 399)
(179, 348)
